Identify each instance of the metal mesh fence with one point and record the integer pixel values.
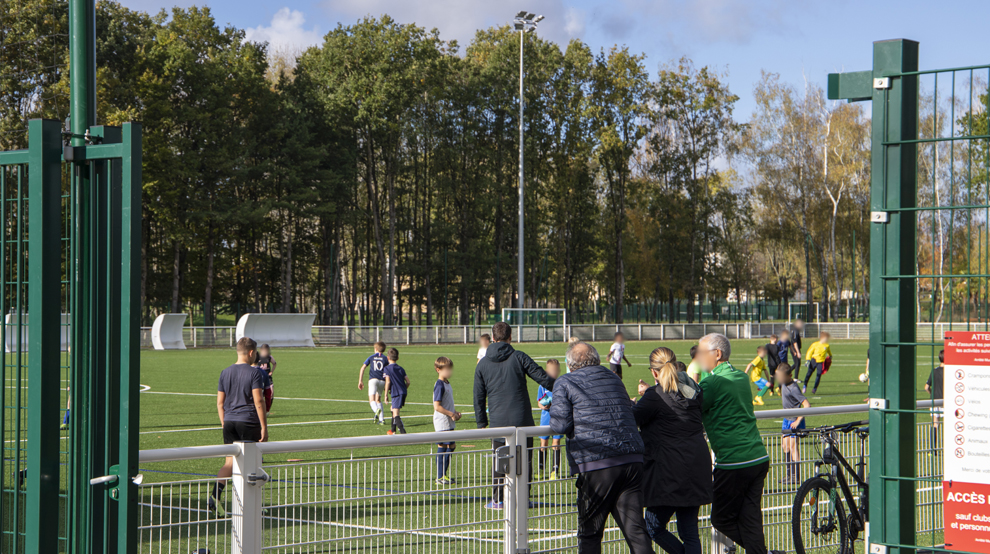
(362, 500)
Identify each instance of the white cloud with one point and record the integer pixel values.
(286, 31)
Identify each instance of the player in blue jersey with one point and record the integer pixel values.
(376, 381)
(445, 417)
(396, 385)
(544, 398)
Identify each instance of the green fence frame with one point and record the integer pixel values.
(902, 100)
(88, 197)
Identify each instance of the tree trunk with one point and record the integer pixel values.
(176, 276)
(208, 293)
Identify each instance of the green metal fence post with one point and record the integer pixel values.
(893, 255)
(892, 300)
(44, 352)
(130, 338)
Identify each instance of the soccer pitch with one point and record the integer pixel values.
(316, 394)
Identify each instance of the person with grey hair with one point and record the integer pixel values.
(741, 459)
(592, 407)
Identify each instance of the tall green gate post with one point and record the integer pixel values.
(893, 90)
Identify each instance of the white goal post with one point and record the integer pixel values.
(544, 317)
(803, 306)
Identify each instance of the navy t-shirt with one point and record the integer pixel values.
(377, 363)
(783, 347)
(237, 382)
(397, 379)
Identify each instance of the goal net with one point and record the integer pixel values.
(797, 310)
(536, 324)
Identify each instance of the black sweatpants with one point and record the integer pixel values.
(614, 491)
(736, 510)
(498, 478)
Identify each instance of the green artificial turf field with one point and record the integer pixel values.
(316, 394)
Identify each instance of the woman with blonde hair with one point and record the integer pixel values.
(677, 464)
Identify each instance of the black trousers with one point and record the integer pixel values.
(736, 510)
(498, 478)
(614, 491)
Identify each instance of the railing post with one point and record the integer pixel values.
(521, 494)
(246, 504)
(640, 331)
(515, 513)
(408, 334)
(193, 329)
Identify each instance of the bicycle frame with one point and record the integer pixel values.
(834, 458)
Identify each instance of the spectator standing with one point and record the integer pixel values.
(501, 395)
(241, 407)
(741, 459)
(677, 468)
(445, 416)
(792, 397)
(484, 341)
(267, 363)
(592, 408)
(694, 368)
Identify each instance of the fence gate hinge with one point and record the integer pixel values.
(879, 217)
(881, 83)
(503, 456)
(878, 403)
(878, 549)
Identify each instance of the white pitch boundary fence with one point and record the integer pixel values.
(323, 335)
(350, 498)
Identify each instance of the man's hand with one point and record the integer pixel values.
(795, 424)
(457, 416)
(642, 387)
(360, 384)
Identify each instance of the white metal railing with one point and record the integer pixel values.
(351, 497)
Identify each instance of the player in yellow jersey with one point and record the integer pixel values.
(757, 370)
(819, 359)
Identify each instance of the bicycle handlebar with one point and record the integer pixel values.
(842, 428)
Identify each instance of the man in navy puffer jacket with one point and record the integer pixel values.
(591, 406)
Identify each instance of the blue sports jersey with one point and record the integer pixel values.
(783, 347)
(543, 396)
(377, 363)
(397, 379)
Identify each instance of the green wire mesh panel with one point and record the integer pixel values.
(15, 310)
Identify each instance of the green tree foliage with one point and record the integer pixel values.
(373, 178)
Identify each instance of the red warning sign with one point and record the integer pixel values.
(966, 441)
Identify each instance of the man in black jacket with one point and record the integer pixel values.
(591, 406)
(501, 394)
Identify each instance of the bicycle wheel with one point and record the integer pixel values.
(818, 519)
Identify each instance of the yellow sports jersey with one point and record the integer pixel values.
(818, 352)
(759, 366)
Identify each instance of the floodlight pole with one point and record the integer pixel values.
(521, 302)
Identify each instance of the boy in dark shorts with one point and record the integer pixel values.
(445, 416)
(397, 385)
(267, 364)
(241, 407)
(792, 397)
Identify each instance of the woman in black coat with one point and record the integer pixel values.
(678, 467)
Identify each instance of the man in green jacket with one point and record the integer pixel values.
(741, 460)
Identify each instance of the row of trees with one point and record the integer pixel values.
(373, 178)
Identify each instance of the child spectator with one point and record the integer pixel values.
(933, 386)
(772, 360)
(757, 370)
(544, 398)
(397, 385)
(267, 363)
(616, 354)
(444, 416)
(483, 342)
(376, 381)
(819, 358)
(694, 368)
(792, 397)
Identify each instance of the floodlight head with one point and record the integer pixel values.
(521, 14)
(519, 25)
(538, 19)
(530, 16)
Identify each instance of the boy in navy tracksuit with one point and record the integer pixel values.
(397, 385)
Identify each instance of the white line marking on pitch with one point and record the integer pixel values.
(288, 398)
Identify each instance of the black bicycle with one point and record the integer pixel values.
(818, 517)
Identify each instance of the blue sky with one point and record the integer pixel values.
(803, 41)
